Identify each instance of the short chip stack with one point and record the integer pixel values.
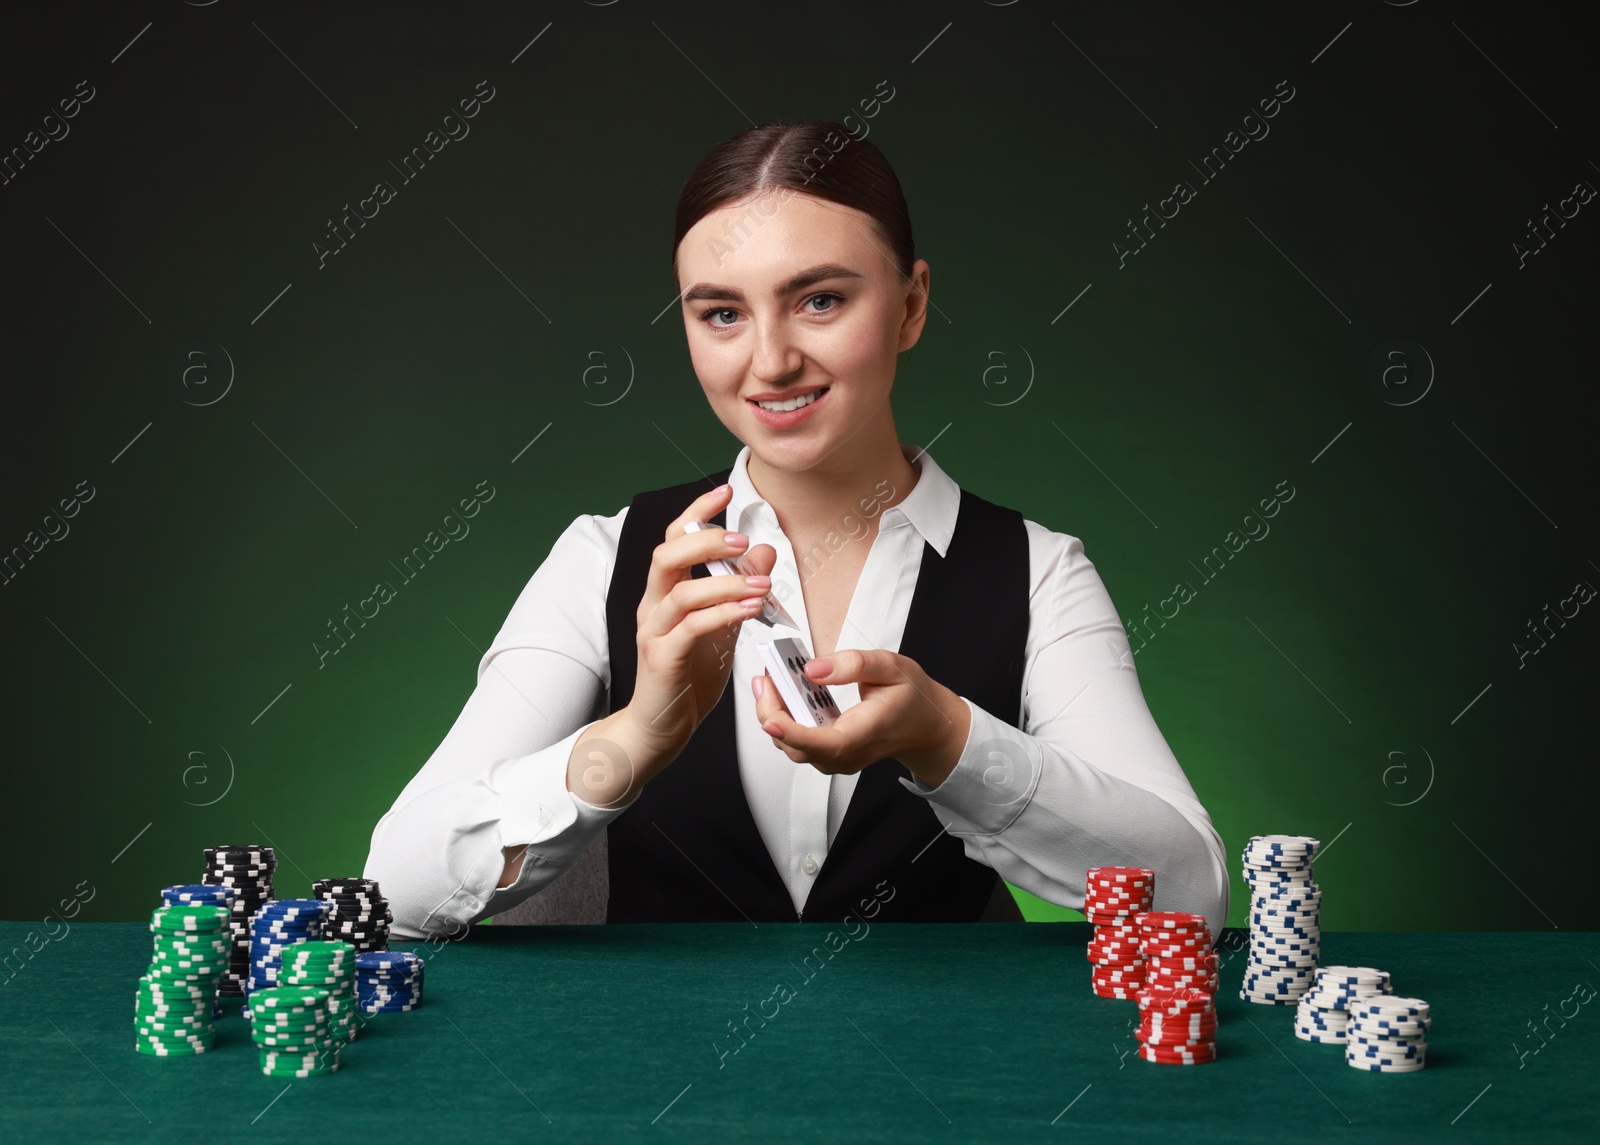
(248, 871)
(1323, 1014)
(1388, 1034)
(1111, 897)
(1177, 951)
(329, 966)
(1285, 905)
(277, 924)
(388, 981)
(201, 894)
(360, 914)
(175, 999)
(293, 1032)
(1177, 1027)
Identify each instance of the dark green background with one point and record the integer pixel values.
(410, 369)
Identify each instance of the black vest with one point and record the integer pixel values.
(967, 627)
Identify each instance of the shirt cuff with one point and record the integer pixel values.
(539, 811)
(993, 780)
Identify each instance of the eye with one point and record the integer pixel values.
(709, 315)
(834, 301)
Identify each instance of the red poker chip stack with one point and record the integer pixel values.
(1112, 896)
(1177, 1027)
(1176, 947)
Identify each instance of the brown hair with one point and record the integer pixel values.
(822, 159)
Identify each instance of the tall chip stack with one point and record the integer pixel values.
(1111, 897)
(360, 914)
(276, 925)
(248, 871)
(175, 998)
(202, 894)
(1285, 911)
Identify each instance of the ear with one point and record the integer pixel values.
(916, 288)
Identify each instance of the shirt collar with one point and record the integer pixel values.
(930, 508)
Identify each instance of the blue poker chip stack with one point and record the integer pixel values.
(200, 894)
(388, 981)
(275, 925)
(1285, 918)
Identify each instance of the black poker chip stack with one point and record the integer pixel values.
(359, 914)
(248, 870)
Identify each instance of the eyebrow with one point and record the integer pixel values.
(707, 290)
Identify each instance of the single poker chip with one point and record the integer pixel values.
(1390, 1005)
(1319, 1036)
(1176, 1003)
(1165, 1055)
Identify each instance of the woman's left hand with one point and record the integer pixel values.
(903, 713)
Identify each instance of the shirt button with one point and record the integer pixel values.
(545, 818)
(809, 866)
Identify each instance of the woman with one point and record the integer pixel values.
(992, 724)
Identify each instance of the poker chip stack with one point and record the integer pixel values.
(201, 894)
(1177, 1027)
(1177, 951)
(1323, 1013)
(1285, 906)
(328, 966)
(1388, 1034)
(360, 914)
(388, 981)
(1111, 897)
(275, 925)
(248, 871)
(293, 1032)
(176, 996)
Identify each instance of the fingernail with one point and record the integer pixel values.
(721, 489)
(755, 686)
(822, 666)
(736, 539)
(758, 581)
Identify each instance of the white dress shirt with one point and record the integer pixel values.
(1090, 780)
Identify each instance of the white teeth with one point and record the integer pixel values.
(792, 403)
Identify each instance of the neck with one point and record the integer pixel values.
(847, 489)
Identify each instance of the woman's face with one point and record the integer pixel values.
(789, 296)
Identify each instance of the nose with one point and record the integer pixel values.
(776, 357)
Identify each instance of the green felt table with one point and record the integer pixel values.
(979, 1032)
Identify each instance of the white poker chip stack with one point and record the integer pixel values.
(1388, 1034)
(1285, 910)
(1323, 1015)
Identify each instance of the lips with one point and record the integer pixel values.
(785, 419)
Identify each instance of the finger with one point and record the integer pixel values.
(693, 594)
(857, 666)
(674, 557)
(681, 638)
(770, 704)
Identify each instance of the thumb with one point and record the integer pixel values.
(764, 558)
(855, 665)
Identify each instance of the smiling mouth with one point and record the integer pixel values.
(799, 402)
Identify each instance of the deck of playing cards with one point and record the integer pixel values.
(810, 703)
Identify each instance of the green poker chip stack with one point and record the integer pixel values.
(329, 966)
(293, 1031)
(176, 996)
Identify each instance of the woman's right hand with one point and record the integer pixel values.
(687, 628)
